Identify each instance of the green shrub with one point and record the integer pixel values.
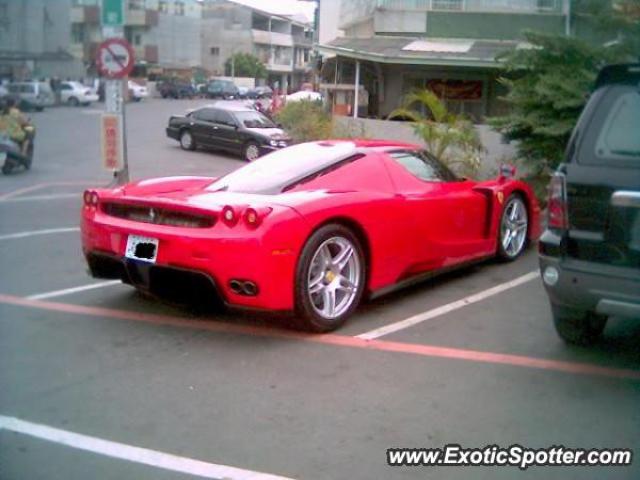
(451, 138)
(305, 121)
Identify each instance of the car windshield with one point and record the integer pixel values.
(272, 173)
(254, 120)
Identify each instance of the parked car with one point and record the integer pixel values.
(225, 89)
(137, 92)
(242, 92)
(306, 95)
(260, 92)
(230, 126)
(314, 228)
(590, 251)
(32, 95)
(75, 93)
(175, 89)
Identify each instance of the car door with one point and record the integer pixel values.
(203, 127)
(447, 215)
(226, 130)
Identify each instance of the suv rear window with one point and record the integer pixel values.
(611, 135)
(620, 137)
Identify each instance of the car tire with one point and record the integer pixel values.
(7, 168)
(513, 229)
(577, 327)
(73, 101)
(186, 140)
(330, 279)
(251, 151)
(39, 109)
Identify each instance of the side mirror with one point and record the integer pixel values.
(506, 171)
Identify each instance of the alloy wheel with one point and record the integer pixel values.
(334, 275)
(513, 227)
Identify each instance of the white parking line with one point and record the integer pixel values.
(449, 307)
(34, 198)
(33, 233)
(131, 453)
(69, 291)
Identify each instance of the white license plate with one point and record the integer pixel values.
(142, 248)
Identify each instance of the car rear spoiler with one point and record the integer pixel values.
(626, 74)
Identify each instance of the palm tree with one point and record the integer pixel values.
(451, 138)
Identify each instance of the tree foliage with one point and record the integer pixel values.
(548, 86)
(245, 65)
(451, 138)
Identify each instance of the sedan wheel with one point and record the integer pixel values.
(251, 152)
(514, 226)
(330, 278)
(186, 140)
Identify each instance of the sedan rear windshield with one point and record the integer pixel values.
(272, 173)
(254, 120)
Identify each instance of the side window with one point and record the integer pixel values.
(619, 136)
(423, 166)
(224, 118)
(205, 115)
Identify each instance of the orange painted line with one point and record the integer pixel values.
(332, 339)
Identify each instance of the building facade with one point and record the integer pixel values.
(163, 33)
(35, 39)
(449, 46)
(282, 43)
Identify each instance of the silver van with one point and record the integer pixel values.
(32, 95)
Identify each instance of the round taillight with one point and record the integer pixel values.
(90, 198)
(251, 216)
(229, 215)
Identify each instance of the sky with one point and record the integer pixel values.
(283, 7)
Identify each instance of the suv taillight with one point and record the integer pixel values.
(557, 205)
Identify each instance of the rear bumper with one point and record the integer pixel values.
(220, 254)
(589, 286)
(89, 98)
(173, 132)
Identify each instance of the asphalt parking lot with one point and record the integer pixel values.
(97, 381)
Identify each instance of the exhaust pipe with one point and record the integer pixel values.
(250, 289)
(235, 286)
(243, 287)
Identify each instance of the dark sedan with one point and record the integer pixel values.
(235, 127)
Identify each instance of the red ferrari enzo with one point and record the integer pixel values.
(312, 228)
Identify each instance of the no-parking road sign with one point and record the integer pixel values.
(115, 58)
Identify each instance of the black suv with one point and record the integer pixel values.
(590, 251)
(225, 89)
(231, 126)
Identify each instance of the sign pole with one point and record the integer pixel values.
(115, 61)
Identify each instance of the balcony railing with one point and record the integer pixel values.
(353, 11)
(265, 37)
